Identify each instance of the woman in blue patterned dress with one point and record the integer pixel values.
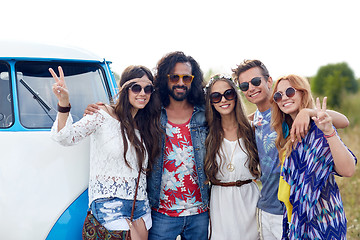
(314, 208)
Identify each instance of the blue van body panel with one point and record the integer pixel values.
(70, 223)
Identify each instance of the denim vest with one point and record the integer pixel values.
(198, 131)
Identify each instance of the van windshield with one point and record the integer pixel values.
(37, 103)
(6, 110)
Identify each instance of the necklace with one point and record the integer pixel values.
(230, 166)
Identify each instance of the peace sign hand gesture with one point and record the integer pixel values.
(59, 87)
(323, 120)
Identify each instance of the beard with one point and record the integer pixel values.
(179, 96)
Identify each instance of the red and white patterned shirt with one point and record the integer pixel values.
(180, 192)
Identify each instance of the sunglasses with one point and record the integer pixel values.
(175, 78)
(136, 88)
(256, 81)
(290, 92)
(216, 97)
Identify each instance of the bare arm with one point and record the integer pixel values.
(61, 92)
(300, 125)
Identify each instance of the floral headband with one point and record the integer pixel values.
(217, 77)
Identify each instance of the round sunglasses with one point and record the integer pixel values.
(136, 88)
(175, 78)
(216, 97)
(290, 92)
(256, 81)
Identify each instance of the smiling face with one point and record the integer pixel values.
(224, 107)
(139, 100)
(289, 105)
(259, 95)
(180, 90)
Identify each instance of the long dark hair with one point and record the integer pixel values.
(216, 133)
(166, 65)
(146, 120)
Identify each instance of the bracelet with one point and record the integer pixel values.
(331, 135)
(63, 109)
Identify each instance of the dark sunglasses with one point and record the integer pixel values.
(256, 81)
(290, 92)
(216, 97)
(136, 88)
(175, 78)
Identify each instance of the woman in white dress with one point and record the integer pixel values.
(231, 163)
(124, 139)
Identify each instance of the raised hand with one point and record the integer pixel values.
(323, 120)
(59, 87)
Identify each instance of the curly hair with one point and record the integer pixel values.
(279, 119)
(146, 120)
(166, 65)
(216, 133)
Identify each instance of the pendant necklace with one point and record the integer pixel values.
(230, 166)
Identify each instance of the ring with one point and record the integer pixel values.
(130, 224)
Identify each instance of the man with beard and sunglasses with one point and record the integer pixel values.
(256, 84)
(176, 183)
(176, 186)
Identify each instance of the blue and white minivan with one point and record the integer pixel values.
(43, 185)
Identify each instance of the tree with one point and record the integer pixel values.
(333, 80)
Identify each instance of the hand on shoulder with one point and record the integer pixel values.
(93, 108)
(109, 110)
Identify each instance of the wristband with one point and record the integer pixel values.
(63, 109)
(331, 135)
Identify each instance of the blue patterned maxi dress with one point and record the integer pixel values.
(318, 211)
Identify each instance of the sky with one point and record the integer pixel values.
(288, 36)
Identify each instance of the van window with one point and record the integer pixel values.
(37, 103)
(6, 110)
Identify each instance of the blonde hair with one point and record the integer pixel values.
(278, 118)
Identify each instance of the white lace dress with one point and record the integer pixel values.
(109, 175)
(233, 209)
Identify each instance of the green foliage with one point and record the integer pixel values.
(350, 108)
(211, 72)
(333, 80)
(334, 89)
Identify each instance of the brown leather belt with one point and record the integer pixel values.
(232, 184)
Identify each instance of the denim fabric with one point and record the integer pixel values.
(188, 227)
(106, 210)
(198, 131)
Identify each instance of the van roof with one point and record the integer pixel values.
(15, 49)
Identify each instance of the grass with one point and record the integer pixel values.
(350, 187)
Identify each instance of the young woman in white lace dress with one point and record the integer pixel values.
(231, 163)
(123, 139)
